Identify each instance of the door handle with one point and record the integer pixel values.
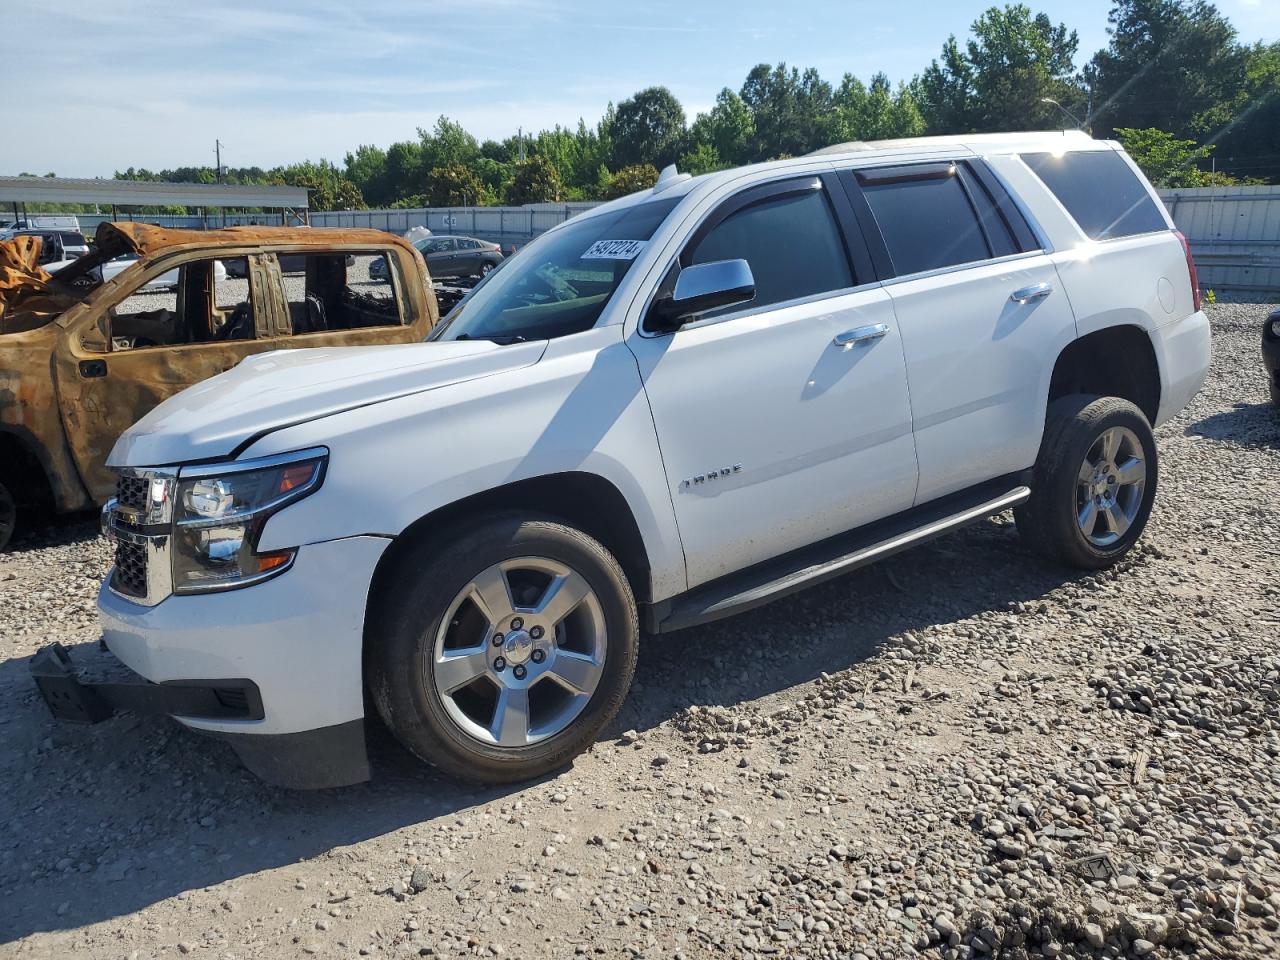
(872, 331)
(1037, 291)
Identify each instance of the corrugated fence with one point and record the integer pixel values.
(1235, 236)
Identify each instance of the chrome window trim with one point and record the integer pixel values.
(959, 267)
(754, 311)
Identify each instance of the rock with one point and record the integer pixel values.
(421, 878)
(1093, 933)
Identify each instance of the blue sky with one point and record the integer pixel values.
(144, 83)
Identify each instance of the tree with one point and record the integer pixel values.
(405, 175)
(631, 179)
(327, 187)
(790, 110)
(535, 181)
(728, 128)
(1169, 64)
(1011, 64)
(1166, 160)
(453, 186)
(701, 159)
(648, 128)
(1248, 129)
(447, 143)
(367, 169)
(875, 113)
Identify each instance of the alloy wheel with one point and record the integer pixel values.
(520, 652)
(1110, 486)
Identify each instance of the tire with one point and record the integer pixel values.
(486, 268)
(8, 516)
(1075, 488)
(432, 626)
(1275, 391)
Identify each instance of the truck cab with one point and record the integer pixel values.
(81, 360)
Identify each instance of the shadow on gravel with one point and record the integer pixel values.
(1246, 424)
(103, 821)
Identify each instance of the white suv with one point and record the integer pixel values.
(672, 408)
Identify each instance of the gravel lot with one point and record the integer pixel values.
(930, 755)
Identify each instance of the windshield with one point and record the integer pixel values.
(560, 283)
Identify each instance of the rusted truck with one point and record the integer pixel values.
(81, 360)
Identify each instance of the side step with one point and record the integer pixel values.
(758, 585)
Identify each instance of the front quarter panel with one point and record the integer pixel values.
(581, 408)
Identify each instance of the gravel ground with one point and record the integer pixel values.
(961, 752)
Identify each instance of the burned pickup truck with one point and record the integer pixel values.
(82, 359)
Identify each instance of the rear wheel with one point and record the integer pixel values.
(1094, 483)
(499, 656)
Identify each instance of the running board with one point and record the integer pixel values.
(839, 555)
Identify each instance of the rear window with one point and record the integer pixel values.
(925, 218)
(1100, 191)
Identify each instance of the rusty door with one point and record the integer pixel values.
(107, 381)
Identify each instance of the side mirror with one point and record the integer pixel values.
(703, 287)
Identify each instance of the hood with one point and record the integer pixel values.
(274, 390)
(26, 299)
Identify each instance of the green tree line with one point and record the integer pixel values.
(1175, 84)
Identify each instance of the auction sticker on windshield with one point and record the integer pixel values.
(614, 250)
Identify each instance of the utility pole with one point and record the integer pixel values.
(217, 153)
(520, 139)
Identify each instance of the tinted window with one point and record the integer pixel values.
(994, 222)
(561, 282)
(791, 242)
(927, 221)
(1100, 191)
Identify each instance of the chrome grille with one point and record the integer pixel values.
(138, 524)
(132, 492)
(130, 575)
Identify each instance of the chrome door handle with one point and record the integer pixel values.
(872, 331)
(1037, 291)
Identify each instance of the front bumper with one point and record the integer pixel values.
(297, 640)
(72, 699)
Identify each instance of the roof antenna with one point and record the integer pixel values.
(1066, 113)
(669, 177)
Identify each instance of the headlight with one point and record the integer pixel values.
(219, 516)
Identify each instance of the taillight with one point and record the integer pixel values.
(1191, 269)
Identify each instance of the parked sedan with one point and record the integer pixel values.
(1271, 354)
(450, 257)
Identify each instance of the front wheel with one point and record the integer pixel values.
(1094, 482)
(500, 654)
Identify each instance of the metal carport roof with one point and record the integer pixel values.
(142, 193)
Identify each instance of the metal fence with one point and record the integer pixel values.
(1235, 236)
(504, 225)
